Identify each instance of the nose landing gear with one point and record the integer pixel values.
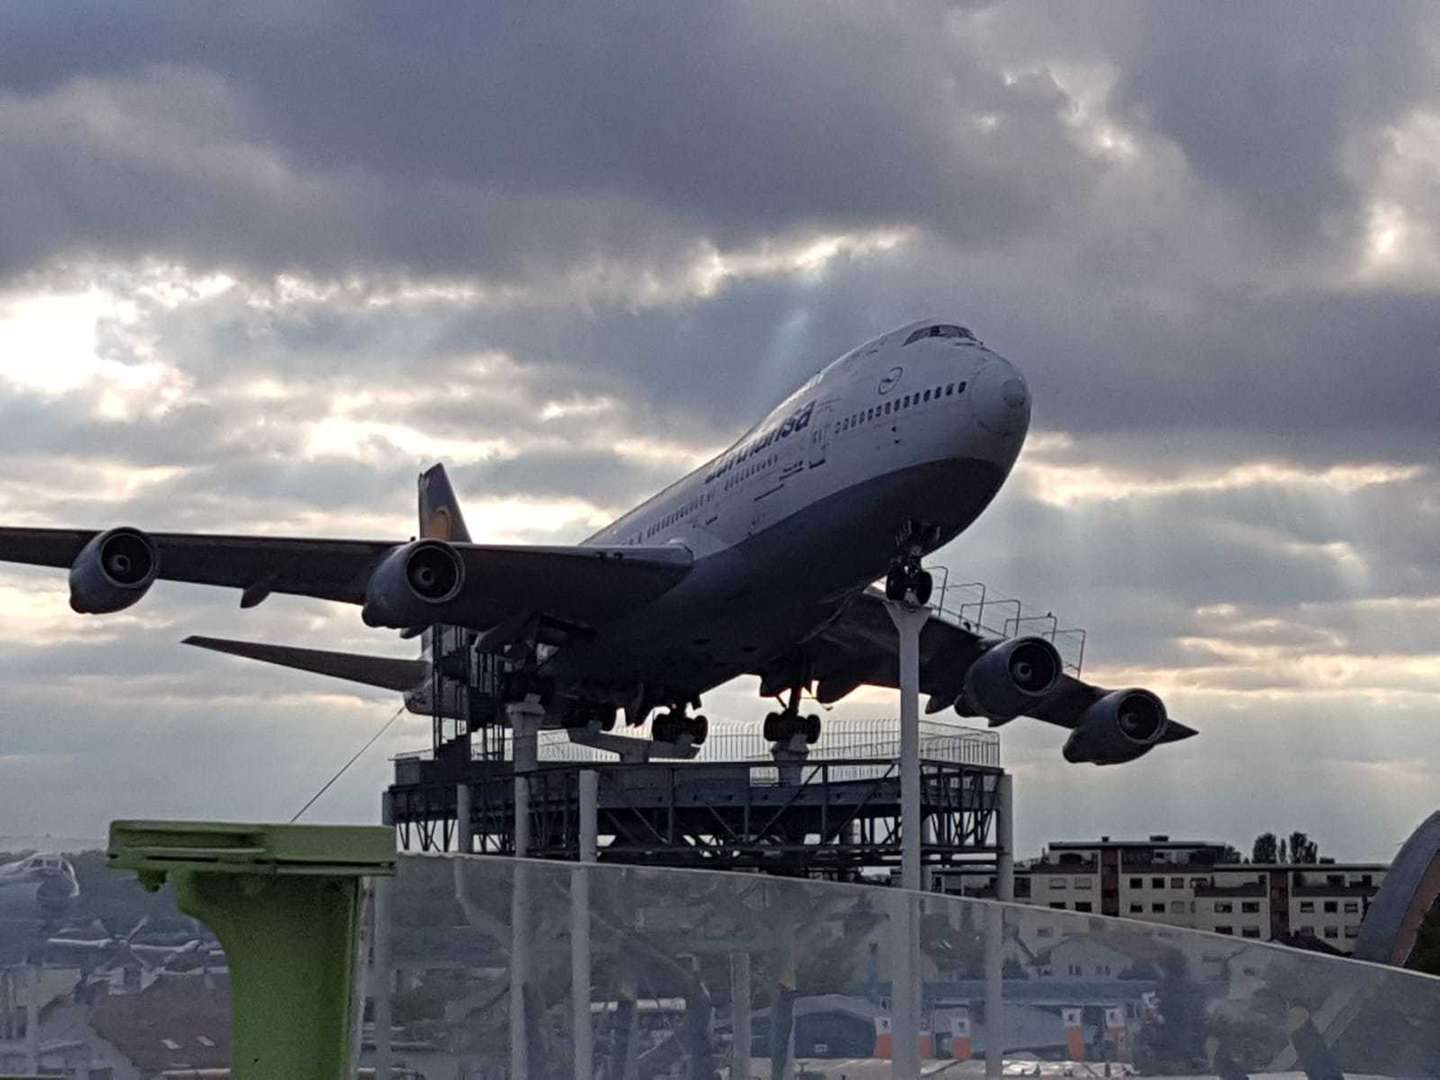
(907, 582)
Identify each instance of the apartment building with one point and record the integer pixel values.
(1195, 885)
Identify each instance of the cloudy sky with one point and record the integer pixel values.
(258, 265)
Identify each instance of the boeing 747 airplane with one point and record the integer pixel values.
(760, 562)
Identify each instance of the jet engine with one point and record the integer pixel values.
(1012, 677)
(1119, 727)
(412, 581)
(112, 571)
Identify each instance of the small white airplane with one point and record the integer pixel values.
(760, 562)
(38, 888)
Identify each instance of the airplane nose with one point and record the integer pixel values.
(1000, 399)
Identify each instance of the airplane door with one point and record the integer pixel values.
(820, 433)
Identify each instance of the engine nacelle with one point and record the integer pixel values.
(1119, 727)
(411, 582)
(114, 570)
(1012, 677)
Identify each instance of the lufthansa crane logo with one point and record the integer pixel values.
(891, 378)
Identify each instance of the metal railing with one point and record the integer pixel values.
(974, 607)
(735, 740)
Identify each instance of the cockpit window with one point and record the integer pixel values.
(940, 331)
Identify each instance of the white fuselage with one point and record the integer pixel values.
(878, 410)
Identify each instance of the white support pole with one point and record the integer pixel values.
(908, 622)
(740, 1016)
(905, 986)
(1005, 838)
(994, 991)
(995, 927)
(525, 720)
(464, 823)
(584, 1032)
(32, 1023)
(382, 976)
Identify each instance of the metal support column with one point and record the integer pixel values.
(584, 1031)
(1005, 838)
(908, 622)
(905, 986)
(995, 927)
(383, 978)
(464, 819)
(525, 720)
(740, 1015)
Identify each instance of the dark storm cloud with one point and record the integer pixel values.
(493, 139)
(1278, 106)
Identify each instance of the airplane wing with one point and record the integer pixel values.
(584, 585)
(860, 647)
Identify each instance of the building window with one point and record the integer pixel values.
(1198, 883)
(1177, 883)
(1307, 907)
(1177, 907)
(1250, 907)
(1331, 907)
(1352, 907)
(1230, 930)
(1058, 883)
(1058, 905)
(1157, 882)
(1084, 883)
(1082, 905)
(1137, 909)
(1137, 883)
(1157, 909)
(1250, 932)
(1223, 907)
(1332, 932)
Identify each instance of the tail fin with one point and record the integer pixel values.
(440, 516)
(390, 673)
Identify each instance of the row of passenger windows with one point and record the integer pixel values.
(675, 516)
(856, 419)
(750, 470)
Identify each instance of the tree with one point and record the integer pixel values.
(1303, 849)
(1264, 850)
(1284, 851)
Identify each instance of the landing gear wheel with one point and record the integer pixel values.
(923, 583)
(811, 727)
(698, 729)
(907, 580)
(662, 729)
(772, 727)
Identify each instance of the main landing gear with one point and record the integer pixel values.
(673, 725)
(907, 581)
(781, 727)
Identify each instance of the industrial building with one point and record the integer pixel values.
(1195, 885)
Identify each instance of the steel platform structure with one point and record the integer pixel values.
(833, 813)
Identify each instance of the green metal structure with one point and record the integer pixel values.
(284, 901)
